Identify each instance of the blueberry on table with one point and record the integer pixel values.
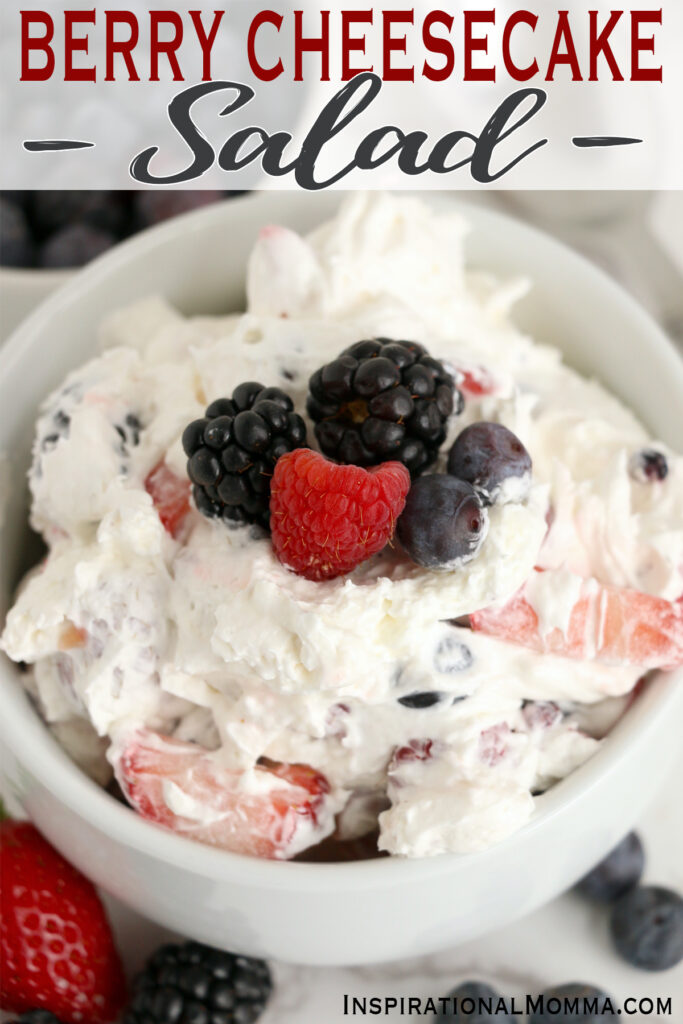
(493, 460)
(73, 246)
(443, 523)
(573, 1003)
(474, 1002)
(16, 245)
(620, 870)
(648, 466)
(195, 983)
(154, 206)
(647, 927)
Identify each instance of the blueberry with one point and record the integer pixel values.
(647, 927)
(420, 700)
(74, 245)
(648, 466)
(154, 206)
(452, 656)
(474, 1002)
(443, 523)
(16, 244)
(573, 1003)
(487, 455)
(53, 210)
(619, 871)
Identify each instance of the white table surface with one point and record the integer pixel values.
(568, 939)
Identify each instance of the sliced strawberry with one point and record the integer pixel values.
(606, 623)
(265, 821)
(493, 744)
(476, 381)
(171, 497)
(414, 750)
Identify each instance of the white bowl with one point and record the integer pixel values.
(331, 913)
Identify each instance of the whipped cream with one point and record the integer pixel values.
(210, 640)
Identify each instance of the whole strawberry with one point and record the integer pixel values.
(56, 947)
(326, 519)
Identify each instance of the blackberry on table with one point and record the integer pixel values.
(196, 984)
(383, 400)
(233, 448)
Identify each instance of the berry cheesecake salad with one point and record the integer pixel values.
(364, 569)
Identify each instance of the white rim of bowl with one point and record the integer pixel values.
(75, 789)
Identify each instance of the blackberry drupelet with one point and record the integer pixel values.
(199, 985)
(383, 400)
(233, 449)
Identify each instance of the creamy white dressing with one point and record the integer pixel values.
(210, 639)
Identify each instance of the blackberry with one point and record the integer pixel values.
(233, 449)
(381, 400)
(199, 985)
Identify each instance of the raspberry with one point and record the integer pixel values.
(383, 399)
(326, 519)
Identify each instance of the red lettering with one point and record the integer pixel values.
(352, 43)
(435, 44)
(206, 42)
(168, 47)
(513, 70)
(395, 44)
(263, 74)
(563, 34)
(29, 42)
(472, 43)
(599, 44)
(74, 43)
(643, 45)
(320, 45)
(123, 46)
